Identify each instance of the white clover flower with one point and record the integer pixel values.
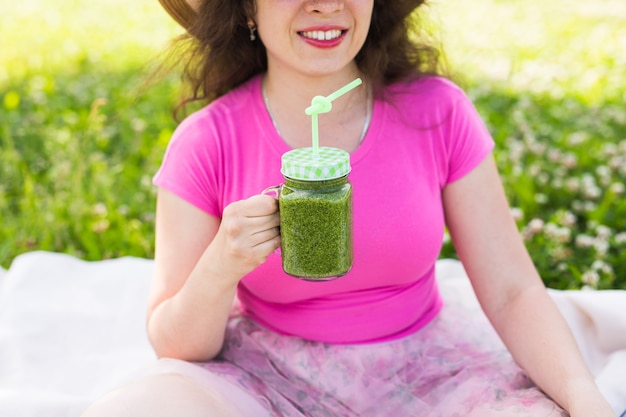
(603, 171)
(100, 226)
(560, 172)
(601, 246)
(516, 150)
(592, 192)
(577, 206)
(551, 230)
(570, 160)
(517, 213)
(604, 232)
(557, 183)
(609, 149)
(577, 138)
(588, 180)
(568, 218)
(541, 198)
(559, 254)
(617, 162)
(145, 181)
(536, 225)
(605, 175)
(543, 178)
(99, 209)
(573, 184)
(564, 235)
(591, 278)
(617, 188)
(138, 125)
(534, 170)
(538, 148)
(554, 155)
(620, 238)
(602, 266)
(123, 210)
(589, 206)
(585, 241)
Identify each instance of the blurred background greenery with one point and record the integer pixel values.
(81, 133)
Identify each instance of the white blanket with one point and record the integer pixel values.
(71, 330)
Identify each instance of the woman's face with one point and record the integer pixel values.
(313, 37)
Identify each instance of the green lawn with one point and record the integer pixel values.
(81, 133)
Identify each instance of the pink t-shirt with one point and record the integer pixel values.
(423, 135)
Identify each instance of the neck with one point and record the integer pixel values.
(298, 89)
(343, 127)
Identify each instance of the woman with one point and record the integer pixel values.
(240, 336)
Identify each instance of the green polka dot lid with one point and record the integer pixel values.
(307, 164)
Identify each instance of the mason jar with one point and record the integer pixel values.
(315, 204)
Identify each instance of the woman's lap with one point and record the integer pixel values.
(455, 366)
(172, 388)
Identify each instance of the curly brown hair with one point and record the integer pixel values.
(220, 55)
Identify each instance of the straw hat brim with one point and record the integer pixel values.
(182, 11)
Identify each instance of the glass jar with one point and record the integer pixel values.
(316, 227)
(315, 204)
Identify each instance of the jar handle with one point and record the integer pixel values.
(275, 189)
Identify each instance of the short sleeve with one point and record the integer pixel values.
(189, 167)
(467, 139)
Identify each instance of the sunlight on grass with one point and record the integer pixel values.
(560, 47)
(47, 35)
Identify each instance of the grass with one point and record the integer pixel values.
(81, 135)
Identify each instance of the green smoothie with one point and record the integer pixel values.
(316, 228)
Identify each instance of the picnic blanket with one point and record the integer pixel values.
(71, 330)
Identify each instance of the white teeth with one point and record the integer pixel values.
(322, 35)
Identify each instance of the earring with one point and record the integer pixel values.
(252, 33)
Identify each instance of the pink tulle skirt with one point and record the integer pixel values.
(455, 366)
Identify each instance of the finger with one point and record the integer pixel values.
(256, 206)
(268, 246)
(258, 224)
(265, 235)
(260, 205)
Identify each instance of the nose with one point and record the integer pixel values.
(324, 6)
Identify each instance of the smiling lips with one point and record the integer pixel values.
(323, 38)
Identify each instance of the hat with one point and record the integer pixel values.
(184, 12)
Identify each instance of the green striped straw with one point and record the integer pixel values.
(321, 104)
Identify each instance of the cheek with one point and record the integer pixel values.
(362, 30)
(272, 24)
(363, 15)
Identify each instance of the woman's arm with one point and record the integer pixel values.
(512, 293)
(199, 261)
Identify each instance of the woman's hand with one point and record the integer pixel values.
(199, 261)
(248, 233)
